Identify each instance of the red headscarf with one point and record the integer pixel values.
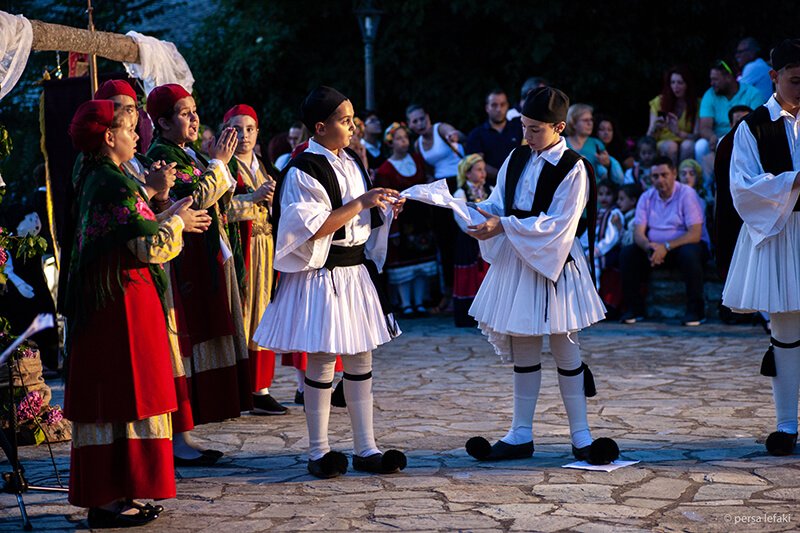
(241, 109)
(161, 100)
(89, 124)
(114, 88)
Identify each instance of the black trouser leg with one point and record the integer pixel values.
(635, 268)
(690, 258)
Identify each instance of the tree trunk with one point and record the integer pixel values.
(112, 46)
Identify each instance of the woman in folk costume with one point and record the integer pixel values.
(119, 391)
(218, 370)
(764, 273)
(331, 240)
(155, 180)
(539, 282)
(249, 209)
(470, 268)
(411, 256)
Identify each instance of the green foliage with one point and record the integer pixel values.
(445, 54)
(5, 142)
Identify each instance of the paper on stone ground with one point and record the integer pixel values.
(583, 465)
(437, 194)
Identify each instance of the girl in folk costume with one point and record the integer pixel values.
(218, 370)
(120, 390)
(470, 268)
(764, 273)
(539, 282)
(411, 258)
(155, 180)
(249, 209)
(331, 239)
(607, 231)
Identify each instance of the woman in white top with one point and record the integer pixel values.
(438, 144)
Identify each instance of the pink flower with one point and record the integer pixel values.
(30, 406)
(197, 172)
(53, 416)
(3, 256)
(27, 353)
(144, 210)
(184, 177)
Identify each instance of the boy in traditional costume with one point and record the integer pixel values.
(250, 211)
(218, 370)
(120, 390)
(539, 282)
(331, 240)
(764, 273)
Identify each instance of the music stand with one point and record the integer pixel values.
(14, 481)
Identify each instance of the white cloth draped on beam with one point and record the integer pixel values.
(159, 63)
(16, 37)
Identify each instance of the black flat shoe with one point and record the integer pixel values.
(480, 449)
(102, 519)
(267, 405)
(299, 397)
(216, 454)
(337, 398)
(602, 451)
(781, 444)
(157, 509)
(381, 463)
(332, 464)
(203, 460)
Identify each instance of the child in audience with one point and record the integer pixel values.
(646, 151)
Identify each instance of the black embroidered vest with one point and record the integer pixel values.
(318, 167)
(773, 144)
(550, 178)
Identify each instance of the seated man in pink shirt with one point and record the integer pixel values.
(669, 230)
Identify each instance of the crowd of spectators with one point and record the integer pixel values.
(656, 191)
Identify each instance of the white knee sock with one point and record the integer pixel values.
(568, 358)
(319, 380)
(358, 394)
(527, 353)
(785, 385)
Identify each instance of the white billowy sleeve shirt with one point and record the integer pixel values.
(543, 242)
(305, 206)
(764, 201)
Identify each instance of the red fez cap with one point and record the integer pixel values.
(161, 100)
(90, 123)
(114, 88)
(241, 109)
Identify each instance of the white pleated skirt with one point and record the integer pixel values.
(322, 311)
(766, 277)
(515, 300)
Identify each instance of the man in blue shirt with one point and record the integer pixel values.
(495, 138)
(724, 93)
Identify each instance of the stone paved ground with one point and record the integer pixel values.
(688, 403)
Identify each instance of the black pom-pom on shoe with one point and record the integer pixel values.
(602, 451)
(330, 465)
(781, 444)
(390, 462)
(479, 448)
